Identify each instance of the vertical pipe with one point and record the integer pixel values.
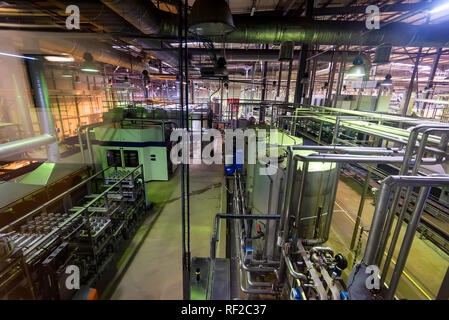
(264, 90)
(407, 243)
(300, 75)
(360, 211)
(42, 103)
(253, 74)
(289, 78)
(312, 81)
(401, 217)
(340, 78)
(331, 78)
(332, 202)
(279, 79)
(377, 224)
(185, 272)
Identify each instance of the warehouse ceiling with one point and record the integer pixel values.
(108, 24)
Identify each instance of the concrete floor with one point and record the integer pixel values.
(155, 271)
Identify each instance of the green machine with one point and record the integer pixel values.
(129, 143)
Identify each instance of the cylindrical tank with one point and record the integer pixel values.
(319, 187)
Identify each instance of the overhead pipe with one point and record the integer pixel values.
(144, 15)
(243, 55)
(19, 146)
(57, 43)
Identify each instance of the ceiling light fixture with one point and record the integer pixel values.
(16, 56)
(440, 8)
(59, 58)
(357, 70)
(66, 74)
(211, 18)
(89, 64)
(387, 81)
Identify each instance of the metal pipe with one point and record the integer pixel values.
(291, 269)
(407, 243)
(19, 146)
(41, 99)
(401, 217)
(372, 246)
(289, 78)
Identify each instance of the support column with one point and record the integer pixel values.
(42, 103)
(289, 78)
(431, 77)
(331, 79)
(303, 58)
(279, 80)
(264, 90)
(301, 71)
(411, 84)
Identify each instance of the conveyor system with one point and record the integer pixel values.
(39, 249)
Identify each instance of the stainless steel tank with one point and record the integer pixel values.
(313, 205)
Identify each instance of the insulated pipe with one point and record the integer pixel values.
(19, 146)
(54, 43)
(42, 105)
(261, 29)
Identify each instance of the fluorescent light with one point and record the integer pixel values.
(59, 58)
(440, 8)
(16, 56)
(89, 69)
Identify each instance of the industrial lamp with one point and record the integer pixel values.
(358, 69)
(387, 81)
(211, 18)
(66, 74)
(89, 64)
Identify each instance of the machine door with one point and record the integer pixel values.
(131, 158)
(114, 158)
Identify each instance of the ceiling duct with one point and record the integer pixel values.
(76, 46)
(257, 29)
(102, 16)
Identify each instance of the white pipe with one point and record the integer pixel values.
(19, 146)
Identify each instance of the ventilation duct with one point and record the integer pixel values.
(53, 43)
(101, 15)
(146, 17)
